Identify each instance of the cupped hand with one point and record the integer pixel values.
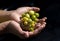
(39, 26)
(15, 28)
(16, 14)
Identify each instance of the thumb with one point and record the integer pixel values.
(22, 10)
(35, 9)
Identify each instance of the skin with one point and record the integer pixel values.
(13, 26)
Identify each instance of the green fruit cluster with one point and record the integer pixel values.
(30, 19)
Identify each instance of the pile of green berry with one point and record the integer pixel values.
(29, 20)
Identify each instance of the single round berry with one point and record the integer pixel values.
(36, 19)
(25, 23)
(27, 15)
(25, 19)
(37, 14)
(31, 29)
(33, 17)
(29, 20)
(31, 12)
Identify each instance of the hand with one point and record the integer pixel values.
(39, 26)
(15, 28)
(16, 14)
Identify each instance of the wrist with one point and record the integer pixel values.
(4, 27)
(3, 32)
(4, 15)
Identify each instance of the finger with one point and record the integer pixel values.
(35, 9)
(37, 25)
(44, 23)
(35, 32)
(23, 10)
(43, 19)
(25, 33)
(32, 8)
(38, 30)
(42, 26)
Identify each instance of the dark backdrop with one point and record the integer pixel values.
(49, 8)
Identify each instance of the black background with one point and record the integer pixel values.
(49, 8)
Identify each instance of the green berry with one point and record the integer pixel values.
(33, 17)
(24, 18)
(30, 20)
(27, 15)
(37, 14)
(32, 24)
(31, 29)
(25, 23)
(31, 12)
(36, 19)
